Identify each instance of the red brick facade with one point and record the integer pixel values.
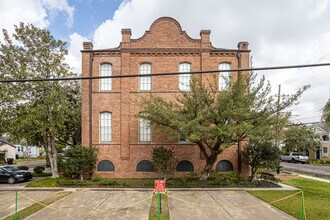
(164, 46)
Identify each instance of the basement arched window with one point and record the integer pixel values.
(145, 166)
(105, 166)
(224, 166)
(185, 166)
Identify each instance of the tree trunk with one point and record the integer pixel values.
(47, 156)
(208, 166)
(53, 158)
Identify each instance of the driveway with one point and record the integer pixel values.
(320, 171)
(214, 205)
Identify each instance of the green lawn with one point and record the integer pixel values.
(147, 183)
(153, 213)
(316, 193)
(29, 160)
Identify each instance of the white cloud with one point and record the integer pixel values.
(37, 12)
(74, 56)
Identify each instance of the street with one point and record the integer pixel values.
(320, 171)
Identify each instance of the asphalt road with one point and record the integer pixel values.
(320, 171)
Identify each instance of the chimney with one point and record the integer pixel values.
(243, 45)
(87, 46)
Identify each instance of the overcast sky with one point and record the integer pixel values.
(280, 32)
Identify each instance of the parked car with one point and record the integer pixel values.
(12, 175)
(294, 157)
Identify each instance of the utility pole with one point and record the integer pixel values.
(278, 116)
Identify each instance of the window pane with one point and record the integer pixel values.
(145, 82)
(105, 127)
(106, 84)
(184, 80)
(224, 77)
(145, 131)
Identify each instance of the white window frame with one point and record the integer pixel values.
(144, 130)
(105, 127)
(184, 79)
(224, 77)
(106, 83)
(146, 81)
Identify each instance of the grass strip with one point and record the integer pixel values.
(153, 212)
(36, 206)
(316, 193)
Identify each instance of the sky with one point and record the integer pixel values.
(281, 32)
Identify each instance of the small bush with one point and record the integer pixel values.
(39, 169)
(23, 168)
(228, 177)
(96, 178)
(189, 177)
(109, 182)
(269, 178)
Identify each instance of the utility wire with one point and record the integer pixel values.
(162, 74)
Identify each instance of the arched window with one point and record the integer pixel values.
(224, 166)
(224, 77)
(145, 82)
(105, 127)
(105, 166)
(106, 70)
(185, 166)
(145, 166)
(184, 79)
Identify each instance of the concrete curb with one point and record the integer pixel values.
(307, 172)
(282, 187)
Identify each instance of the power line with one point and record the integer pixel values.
(162, 74)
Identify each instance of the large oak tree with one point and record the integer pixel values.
(42, 113)
(215, 120)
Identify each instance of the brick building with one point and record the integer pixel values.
(110, 106)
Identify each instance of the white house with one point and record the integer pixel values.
(8, 149)
(27, 151)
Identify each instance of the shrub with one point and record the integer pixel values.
(39, 169)
(189, 177)
(227, 177)
(109, 182)
(96, 178)
(23, 168)
(163, 160)
(269, 178)
(78, 161)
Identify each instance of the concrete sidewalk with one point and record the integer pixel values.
(214, 205)
(98, 205)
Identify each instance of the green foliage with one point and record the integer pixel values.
(38, 169)
(42, 113)
(96, 178)
(23, 168)
(216, 120)
(300, 138)
(163, 160)
(227, 177)
(319, 162)
(267, 177)
(189, 177)
(2, 157)
(261, 154)
(326, 113)
(78, 160)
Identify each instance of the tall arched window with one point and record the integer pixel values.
(144, 130)
(105, 127)
(105, 70)
(184, 79)
(224, 77)
(145, 82)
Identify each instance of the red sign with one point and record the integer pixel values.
(159, 186)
